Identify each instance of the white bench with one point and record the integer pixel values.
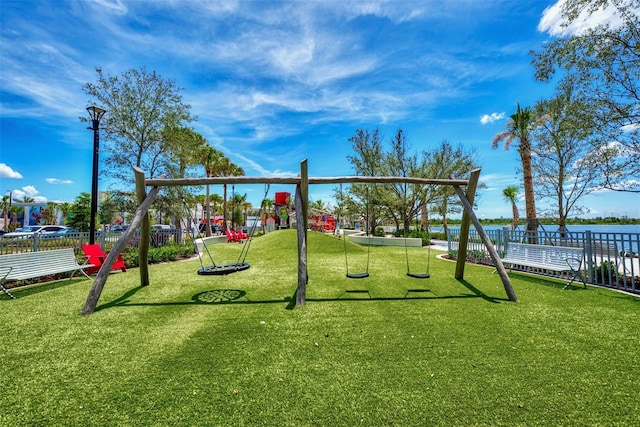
(29, 265)
(546, 257)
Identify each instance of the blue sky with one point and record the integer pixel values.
(273, 83)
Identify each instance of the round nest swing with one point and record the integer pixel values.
(222, 269)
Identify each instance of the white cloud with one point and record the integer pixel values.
(7, 172)
(555, 24)
(58, 181)
(28, 191)
(490, 118)
(116, 7)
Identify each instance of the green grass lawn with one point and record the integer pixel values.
(230, 350)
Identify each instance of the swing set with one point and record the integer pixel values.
(302, 182)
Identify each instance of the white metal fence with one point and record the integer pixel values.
(611, 259)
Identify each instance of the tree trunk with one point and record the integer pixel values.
(516, 215)
(424, 216)
(224, 207)
(207, 226)
(529, 194)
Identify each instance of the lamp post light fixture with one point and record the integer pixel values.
(96, 114)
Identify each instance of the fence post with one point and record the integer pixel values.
(588, 247)
(506, 237)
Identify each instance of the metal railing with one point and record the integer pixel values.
(76, 240)
(611, 259)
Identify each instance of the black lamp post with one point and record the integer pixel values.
(96, 114)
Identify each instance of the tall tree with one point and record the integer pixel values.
(441, 162)
(510, 194)
(367, 160)
(108, 210)
(140, 105)
(603, 63)
(519, 127)
(81, 212)
(564, 164)
(186, 145)
(227, 168)
(211, 159)
(403, 199)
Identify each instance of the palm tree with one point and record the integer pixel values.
(65, 209)
(216, 201)
(210, 158)
(51, 213)
(519, 127)
(6, 203)
(267, 211)
(227, 168)
(15, 210)
(241, 205)
(510, 194)
(318, 205)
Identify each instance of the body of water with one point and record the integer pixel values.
(596, 228)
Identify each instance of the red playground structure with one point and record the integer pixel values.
(321, 221)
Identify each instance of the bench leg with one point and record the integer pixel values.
(73, 273)
(6, 291)
(86, 275)
(570, 282)
(574, 275)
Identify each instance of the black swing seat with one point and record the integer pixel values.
(357, 275)
(223, 269)
(419, 275)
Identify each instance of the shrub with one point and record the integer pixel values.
(171, 252)
(439, 235)
(606, 273)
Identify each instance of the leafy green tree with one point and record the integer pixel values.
(140, 106)
(108, 211)
(443, 161)
(519, 128)
(403, 199)
(186, 145)
(603, 63)
(367, 160)
(564, 164)
(81, 212)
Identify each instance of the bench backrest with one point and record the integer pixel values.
(27, 265)
(544, 254)
(93, 250)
